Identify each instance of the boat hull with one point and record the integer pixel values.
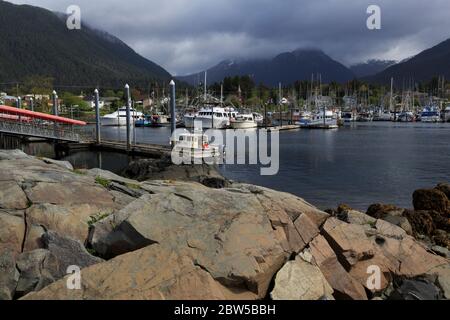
(113, 122)
(244, 125)
(219, 123)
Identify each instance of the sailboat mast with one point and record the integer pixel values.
(206, 73)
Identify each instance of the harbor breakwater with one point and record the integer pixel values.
(159, 232)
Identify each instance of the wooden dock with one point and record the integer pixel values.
(146, 150)
(284, 127)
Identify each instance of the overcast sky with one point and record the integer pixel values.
(186, 36)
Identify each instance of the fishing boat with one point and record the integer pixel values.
(406, 116)
(119, 118)
(259, 118)
(383, 116)
(447, 114)
(143, 122)
(211, 118)
(349, 117)
(160, 120)
(322, 119)
(196, 146)
(430, 114)
(244, 121)
(304, 118)
(364, 117)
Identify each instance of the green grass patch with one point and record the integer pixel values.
(96, 218)
(79, 172)
(133, 186)
(103, 182)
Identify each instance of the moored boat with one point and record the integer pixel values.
(430, 114)
(447, 114)
(406, 116)
(119, 118)
(244, 121)
(211, 118)
(322, 120)
(196, 146)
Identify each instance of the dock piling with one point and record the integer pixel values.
(127, 89)
(55, 103)
(97, 117)
(173, 113)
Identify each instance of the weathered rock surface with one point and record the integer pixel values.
(35, 268)
(387, 247)
(12, 196)
(69, 220)
(67, 252)
(301, 280)
(183, 240)
(71, 193)
(240, 236)
(63, 164)
(9, 275)
(12, 233)
(344, 285)
(150, 273)
(162, 169)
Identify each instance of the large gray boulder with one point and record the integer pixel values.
(301, 280)
(241, 236)
(9, 275)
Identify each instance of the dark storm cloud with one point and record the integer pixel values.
(187, 36)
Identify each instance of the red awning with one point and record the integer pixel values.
(39, 115)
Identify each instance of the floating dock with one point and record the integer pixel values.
(147, 150)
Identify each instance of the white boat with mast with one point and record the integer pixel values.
(430, 113)
(323, 118)
(213, 114)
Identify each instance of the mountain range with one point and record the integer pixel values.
(35, 41)
(286, 68)
(300, 64)
(430, 63)
(371, 67)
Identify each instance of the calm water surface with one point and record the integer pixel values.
(359, 165)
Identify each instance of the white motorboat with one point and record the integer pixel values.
(322, 119)
(304, 118)
(406, 116)
(211, 118)
(259, 118)
(119, 118)
(349, 117)
(383, 116)
(244, 121)
(447, 114)
(196, 146)
(365, 117)
(430, 114)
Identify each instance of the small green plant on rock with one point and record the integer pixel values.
(133, 186)
(96, 218)
(102, 181)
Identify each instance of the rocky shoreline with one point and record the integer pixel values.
(187, 233)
